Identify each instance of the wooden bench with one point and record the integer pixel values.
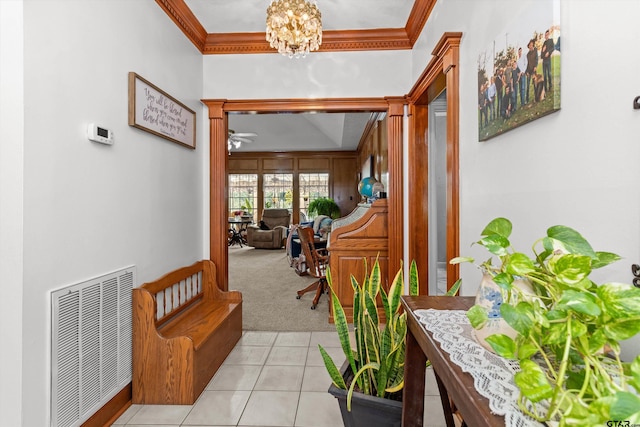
(184, 327)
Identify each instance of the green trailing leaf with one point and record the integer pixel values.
(620, 300)
(526, 350)
(570, 269)
(477, 316)
(633, 370)
(499, 226)
(603, 259)
(597, 340)
(580, 302)
(532, 381)
(495, 244)
(556, 333)
(625, 406)
(460, 260)
(570, 241)
(519, 317)
(622, 329)
(504, 280)
(503, 345)
(570, 326)
(577, 329)
(520, 264)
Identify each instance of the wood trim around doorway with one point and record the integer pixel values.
(218, 110)
(441, 73)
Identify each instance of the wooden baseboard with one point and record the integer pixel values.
(112, 410)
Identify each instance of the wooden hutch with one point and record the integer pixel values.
(363, 234)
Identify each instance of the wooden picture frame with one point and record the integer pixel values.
(155, 111)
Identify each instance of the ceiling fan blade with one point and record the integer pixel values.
(240, 139)
(246, 134)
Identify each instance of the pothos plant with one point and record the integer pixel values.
(568, 331)
(377, 361)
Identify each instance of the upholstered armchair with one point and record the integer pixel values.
(272, 230)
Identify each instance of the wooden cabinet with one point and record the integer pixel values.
(363, 234)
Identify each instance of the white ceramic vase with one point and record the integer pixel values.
(490, 297)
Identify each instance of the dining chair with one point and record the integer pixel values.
(316, 261)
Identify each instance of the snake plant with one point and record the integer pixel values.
(377, 360)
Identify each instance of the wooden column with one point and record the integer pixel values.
(395, 190)
(219, 158)
(418, 155)
(449, 51)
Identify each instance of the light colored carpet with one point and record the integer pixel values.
(268, 287)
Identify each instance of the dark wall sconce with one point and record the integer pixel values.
(636, 103)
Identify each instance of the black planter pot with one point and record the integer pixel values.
(366, 411)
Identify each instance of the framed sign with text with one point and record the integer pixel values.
(155, 111)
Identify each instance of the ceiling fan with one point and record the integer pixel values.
(235, 140)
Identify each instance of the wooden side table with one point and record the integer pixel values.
(454, 385)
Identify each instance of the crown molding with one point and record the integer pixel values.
(184, 18)
(332, 40)
(418, 18)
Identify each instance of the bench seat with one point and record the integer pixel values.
(199, 321)
(184, 327)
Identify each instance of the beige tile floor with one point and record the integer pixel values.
(269, 379)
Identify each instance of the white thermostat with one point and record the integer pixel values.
(99, 134)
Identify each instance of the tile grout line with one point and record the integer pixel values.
(253, 388)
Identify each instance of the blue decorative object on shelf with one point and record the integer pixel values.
(365, 188)
(490, 297)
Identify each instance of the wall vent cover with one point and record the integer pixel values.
(90, 345)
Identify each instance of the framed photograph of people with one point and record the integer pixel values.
(519, 72)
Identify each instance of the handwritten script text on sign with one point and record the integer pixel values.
(157, 112)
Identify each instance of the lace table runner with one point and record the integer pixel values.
(492, 374)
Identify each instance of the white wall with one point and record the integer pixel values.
(11, 209)
(319, 75)
(89, 208)
(576, 167)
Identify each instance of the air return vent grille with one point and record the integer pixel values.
(90, 345)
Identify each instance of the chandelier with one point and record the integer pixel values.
(294, 27)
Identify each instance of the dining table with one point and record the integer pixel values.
(237, 230)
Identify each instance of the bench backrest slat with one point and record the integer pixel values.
(178, 296)
(176, 291)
